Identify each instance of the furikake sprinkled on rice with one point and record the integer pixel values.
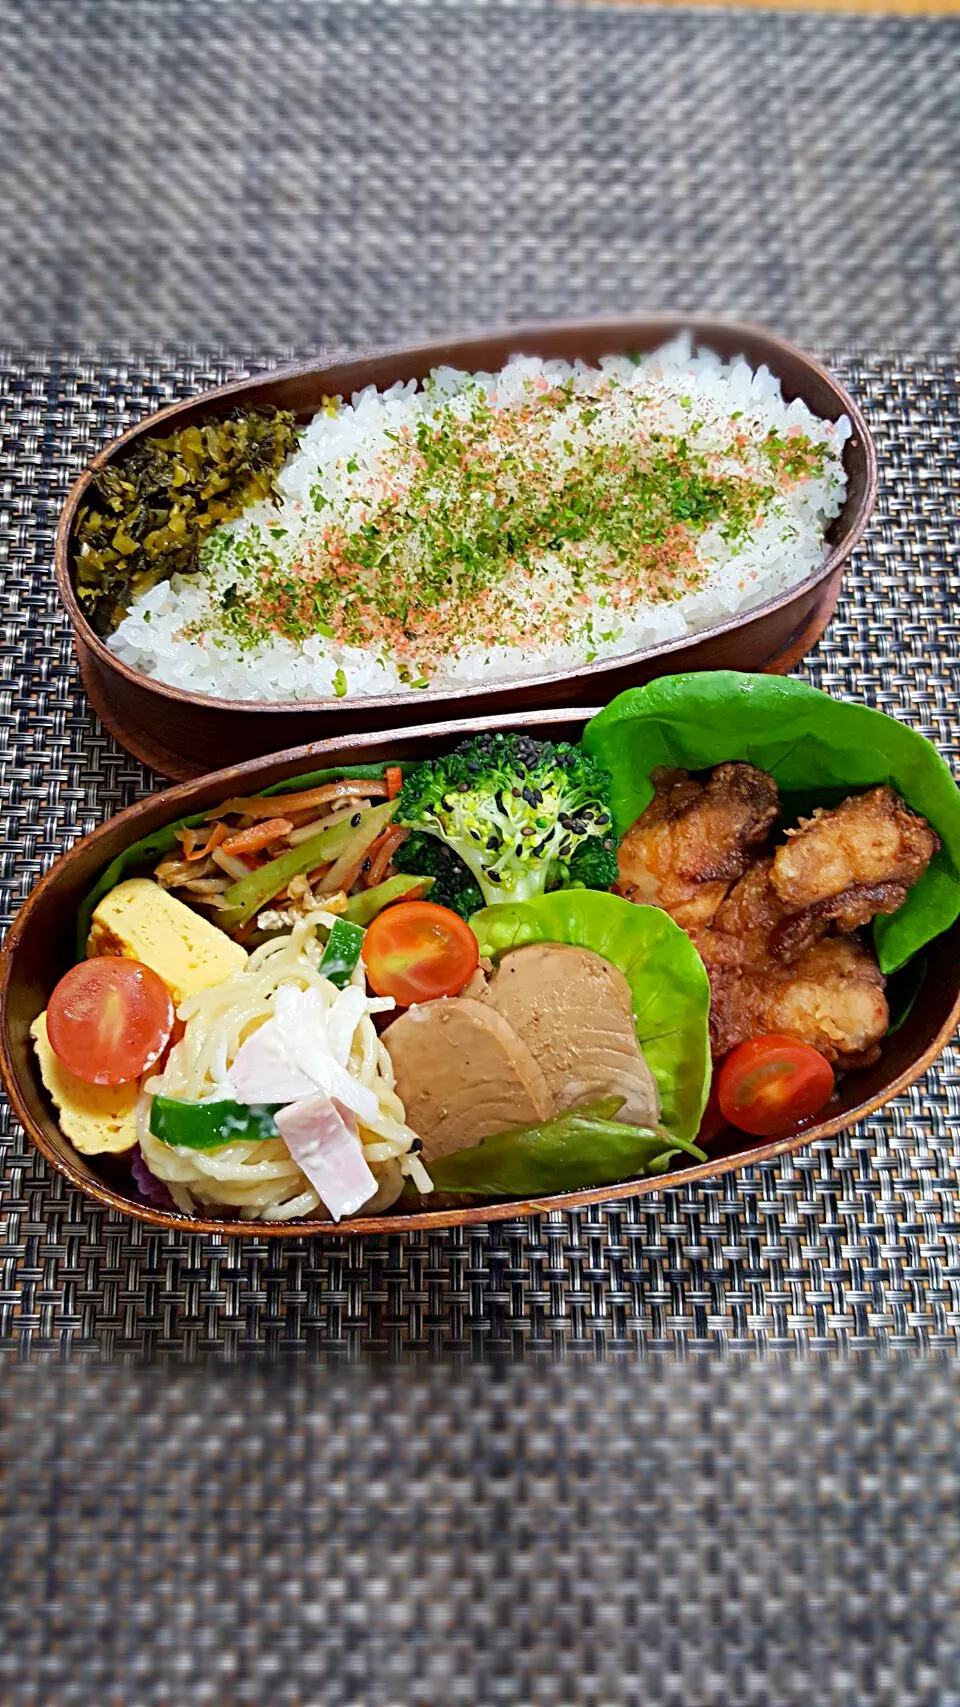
(474, 509)
(430, 535)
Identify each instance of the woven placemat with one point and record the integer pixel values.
(307, 170)
(854, 1242)
(596, 1537)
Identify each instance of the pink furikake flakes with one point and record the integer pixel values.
(484, 527)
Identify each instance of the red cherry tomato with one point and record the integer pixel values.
(770, 1083)
(109, 1020)
(418, 951)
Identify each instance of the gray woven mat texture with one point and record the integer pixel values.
(558, 1538)
(336, 174)
(634, 1491)
(853, 1242)
(267, 172)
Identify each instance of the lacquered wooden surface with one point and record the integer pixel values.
(151, 749)
(40, 947)
(185, 729)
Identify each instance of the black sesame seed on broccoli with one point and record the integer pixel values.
(522, 815)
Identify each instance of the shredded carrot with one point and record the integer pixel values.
(258, 836)
(393, 777)
(382, 853)
(265, 805)
(197, 844)
(316, 821)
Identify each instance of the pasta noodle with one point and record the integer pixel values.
(259, 1177)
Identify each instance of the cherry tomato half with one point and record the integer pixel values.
(109, 1020)
(770, 1083)
(418, 951)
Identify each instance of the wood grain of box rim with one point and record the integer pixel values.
(181, 723)
(87, 857)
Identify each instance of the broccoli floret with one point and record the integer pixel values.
(523, 815)
(594, 863)
(453, 885)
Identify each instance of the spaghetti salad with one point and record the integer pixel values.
(281, 1036)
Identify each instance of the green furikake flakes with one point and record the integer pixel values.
(147, 514)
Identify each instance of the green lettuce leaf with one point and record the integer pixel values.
(581, 1148)
(818, 749)
(151, 849)
(668, 980)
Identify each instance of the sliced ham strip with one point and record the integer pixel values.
(324, 1142)
(262, 1071)
(296, 1053)
(345, 1015)
(304, 1031)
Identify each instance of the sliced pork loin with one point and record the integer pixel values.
(462, 1074)
(574, 1012)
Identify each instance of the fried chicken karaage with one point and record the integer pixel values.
(774, 926)
(841, 867)
(831, 997)
(695, 839)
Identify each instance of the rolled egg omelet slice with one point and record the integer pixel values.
(141, 921)
(136, 921)
(96, 1118)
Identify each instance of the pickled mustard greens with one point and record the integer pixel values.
(149, 513)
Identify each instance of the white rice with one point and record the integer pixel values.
(341, 455)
